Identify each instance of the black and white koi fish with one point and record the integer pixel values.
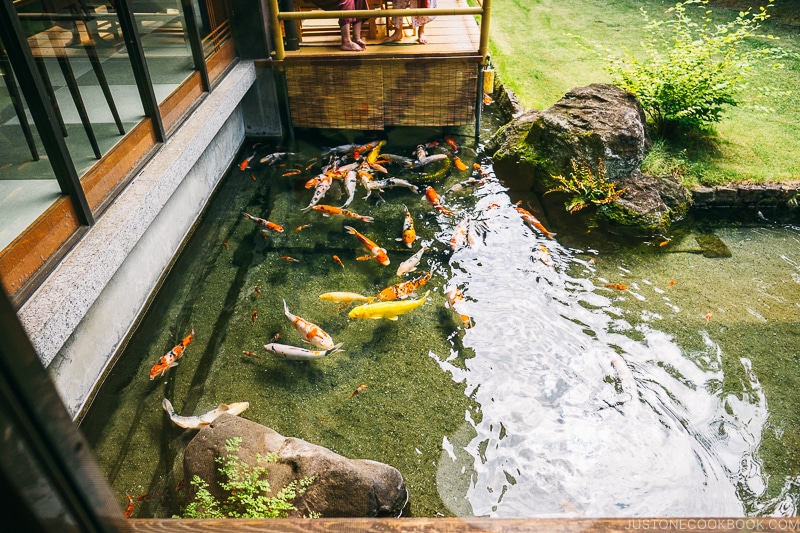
(392, 182)
(295, 353)
(196, 422)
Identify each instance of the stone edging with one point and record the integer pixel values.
(743, 195)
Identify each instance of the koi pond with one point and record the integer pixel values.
(598, 378)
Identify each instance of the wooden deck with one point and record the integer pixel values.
(393, 84)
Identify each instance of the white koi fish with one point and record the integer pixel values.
(320, 191)
(350, 182)
(410, 264)
(311, 332)
(294, 353)
(196, 422)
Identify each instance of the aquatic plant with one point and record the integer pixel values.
(586, 187)
(692, 70)
(247, 487)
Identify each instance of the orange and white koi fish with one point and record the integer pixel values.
(271, 159)
(246, 163)
(532, 221)
(331, 210)
(338, 261)
(129, 508)
(459, 237)
(320, 191)
(310, 332)
(390, 183)
(430, 194)
(410, 264)
(198, 421)
(290, 259)
(404, 289)
(409, 235)
(376, 251)
(295, 353)
(344, 297)
(257, 290)
(266, 223)
(454, 298)
(618, 286)
(358, 391)
(301, 227)
(170, 359)
(545, 257)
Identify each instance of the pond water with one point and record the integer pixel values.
(567, 397)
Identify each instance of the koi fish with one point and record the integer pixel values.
(376, 251)
(451, 143)
(455, 297)
(129, 508)
(294, 353)
(344, 297)
(225, 244)
(373, 154)
(251, 354)
(388, 310)
(170, 359)
(290, 259)
(532, 221)
(618, 286)
(331, 210)
(244, 164)
(198, 421)
(403, 289)
(708, 317)
(253, 177)
(410, 264)
(389, 183)
(254, 315)
(271, 159)
(664, 243)
(302, 227)
(462, 186)
(459, 237)
(358, 391)
(263, 222)
(350, 181)
(409, 235)
(257, 290)
(310, 332)
(545, 256)
(459, 163)
(487, 100)
(430, 194)
(291, 173)
(338, 261)
(671, 282)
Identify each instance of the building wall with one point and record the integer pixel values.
(83, 312)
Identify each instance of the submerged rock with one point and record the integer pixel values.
(590, 124)
(342, 487)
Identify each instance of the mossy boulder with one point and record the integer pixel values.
(589, 125)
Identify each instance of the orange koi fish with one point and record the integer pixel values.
(451, 143)
(266, 223)
(358, 391)
(253, 177)
(487, 100)
(532, 221)
(257, 289)
(313, 182)
(708, 316)
(338, 261)
(331, 210)
(170, 359)
(290, 259)
(664, 243)
(311, 163)
(430, 194)
(310, 332)
(409, 235)
(251, 354)
(244, 164)
(225, 244)
(545, 257)
(302, 227)
(460, 165)
(254, 315)
(376, 251)
(291, 173)
(403, 289)
(618, 286)
(671, 282)
(129, 508)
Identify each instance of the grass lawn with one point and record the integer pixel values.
(541, 49)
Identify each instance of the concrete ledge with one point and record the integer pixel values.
(79, 316)
(761, 195)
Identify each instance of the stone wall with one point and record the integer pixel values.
(761, 195)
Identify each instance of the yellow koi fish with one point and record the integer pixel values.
(344, 297)
(388, 310)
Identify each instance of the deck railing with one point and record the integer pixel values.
(276, 16)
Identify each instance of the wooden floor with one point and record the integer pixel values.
(456, 35)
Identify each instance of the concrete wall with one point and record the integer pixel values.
(81, 314)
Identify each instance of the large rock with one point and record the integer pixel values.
(342, 488)
(590, 124)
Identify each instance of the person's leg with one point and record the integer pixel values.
(347, 42)
(397, 32)
(357, 34)
(421, 34)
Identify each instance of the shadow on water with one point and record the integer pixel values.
(568, 396)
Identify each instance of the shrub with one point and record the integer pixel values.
(586, 188)
(248, 489)
(691, 70)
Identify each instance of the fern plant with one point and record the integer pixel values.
(586, 187)
(247, 486)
